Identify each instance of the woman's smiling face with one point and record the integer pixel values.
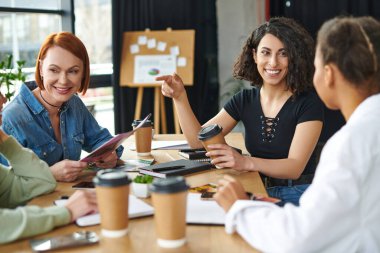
(62, 74)
(272, 60)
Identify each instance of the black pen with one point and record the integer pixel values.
(186, 150)
(169, 168)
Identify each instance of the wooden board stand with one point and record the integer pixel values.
(184, 39)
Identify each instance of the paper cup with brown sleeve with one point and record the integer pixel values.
(211, 134)
(112, 191)
(143, 137)
(169, 197)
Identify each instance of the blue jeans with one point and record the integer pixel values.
(288, 194)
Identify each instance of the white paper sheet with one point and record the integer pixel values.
(203, 211)
(134, 48)
(181, 62)
(161, 46)
(174, 50)
(137, 208)
(142, 40)
(148, 67)
(151, 43)
(165, 145)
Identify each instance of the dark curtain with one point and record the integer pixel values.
(137, 15)
(312, 14)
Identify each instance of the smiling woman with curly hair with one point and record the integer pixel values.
(281, 113)
(299, 48)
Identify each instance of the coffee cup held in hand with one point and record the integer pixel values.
(112, 191)
(211, 134)
(143, 137)
(169, 197)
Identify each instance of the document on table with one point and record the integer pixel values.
(166, 145)
(206, 212)
(137, 208)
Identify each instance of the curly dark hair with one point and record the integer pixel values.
(299, 46)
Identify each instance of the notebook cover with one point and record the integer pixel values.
(190, 166)
(198, 154)
(193, 153)
(111, 145)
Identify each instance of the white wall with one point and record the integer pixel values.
(236, 20)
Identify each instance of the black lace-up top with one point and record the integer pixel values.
(268, 128)
(271, 138)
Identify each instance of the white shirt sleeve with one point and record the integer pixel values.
(329, 218)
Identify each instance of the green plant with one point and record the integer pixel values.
(143, 179)
(8, 75)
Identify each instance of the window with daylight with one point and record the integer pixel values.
(25, 23)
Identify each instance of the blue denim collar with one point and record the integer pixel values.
(30, 100)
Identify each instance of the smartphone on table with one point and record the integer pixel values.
(207, 195)
(84, 185)
(64, 241)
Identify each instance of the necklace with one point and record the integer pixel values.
(56, 106)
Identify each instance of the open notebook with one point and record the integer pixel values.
(206, 212)
(137, 208)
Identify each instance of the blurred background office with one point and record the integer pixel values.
(221, 28)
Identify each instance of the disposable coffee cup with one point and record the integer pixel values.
(143, 137)
(211, 134)
(169, 197)
(112, 191)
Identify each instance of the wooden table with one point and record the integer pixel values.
(141, 236)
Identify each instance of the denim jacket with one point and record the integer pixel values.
(28, 121)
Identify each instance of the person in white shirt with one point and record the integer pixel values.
(340, 211)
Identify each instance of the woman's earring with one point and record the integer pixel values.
(42, 78)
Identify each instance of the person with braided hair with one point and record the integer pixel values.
(340, 210)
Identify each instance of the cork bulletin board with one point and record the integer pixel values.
(177, 43)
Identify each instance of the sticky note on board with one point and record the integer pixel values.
(181, 62)
(142, 40)
(134, 48)
(151, 43)
(174, 50)
(161, 46)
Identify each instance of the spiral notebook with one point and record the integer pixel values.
(198, 154)
(175, 168)
(195, 154)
